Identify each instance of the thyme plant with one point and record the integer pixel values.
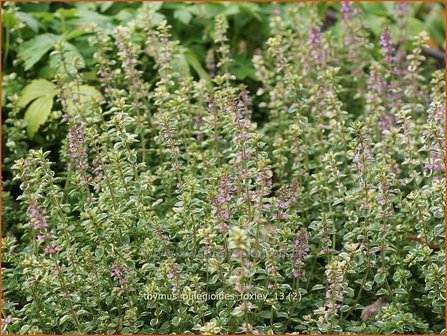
(176, 212)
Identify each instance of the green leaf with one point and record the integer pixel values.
(266, 314)
(376, 9)
(87, 16)
(434, 22)
(69, 54)
(183, 14)
(29, 20)
(195, 64)
(75, 33)
(374, 23)
(105, 6)
(65, 14)
(282, 314)
(9, 20)
(155, 5)
(180, 64)
(231, 9)
(208, 10)
(157, 18)
(243, 67)
(37, 113)
(251, 8)
(86, 95)
(33, 50)
(99, 252)
(413, 28)
(37, 88)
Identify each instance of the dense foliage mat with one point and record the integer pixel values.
(310, 202)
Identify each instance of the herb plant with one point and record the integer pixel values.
(195, 204)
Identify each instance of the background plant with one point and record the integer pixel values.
(313, 177)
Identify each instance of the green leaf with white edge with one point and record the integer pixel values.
(33, 50)
(379, 278)
(24, 329)
(64, 319)
(237, 311)
(282, 314)
(82, 312)
(37, 113)
(37, 88)
(317, 287)
(176, 321)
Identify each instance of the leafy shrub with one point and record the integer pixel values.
(172, 211)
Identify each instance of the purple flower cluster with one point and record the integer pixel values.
(376, 83)
(300, 250)
(211, 63)
(334, 292)
(51, 249)
(315, 37)
(8, 320)
(334, 296)
(347, 10)
(37, 216)
(286, 198)
(435, 163)
(240, 123)
(402, 8)
(173, 276)
(386, 122)
(119, 273)
(316, 43)
(225, 190)
(39, 223)
(128, 55)
(221, 203)
(362, 154)
(387, 44)
(245, 101)
(77, 154)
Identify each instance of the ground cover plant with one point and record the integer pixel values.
(304, 197)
